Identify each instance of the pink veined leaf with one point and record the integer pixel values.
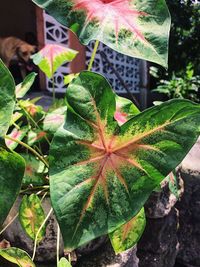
(137, 28)
(118, 10)
(52, 56)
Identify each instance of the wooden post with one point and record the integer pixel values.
(79, 63)
(40, 39)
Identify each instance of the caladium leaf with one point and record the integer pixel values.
(125, 110)
(64, 263)
(52, 56)
(35, 137)
(11, 173)
(22, 88)
(35, 171)
(17, 256)
(7, 98)
(128, 234)
(102, 174)
(54, 119)
(31, 215)
(18, 134)
(138, 28)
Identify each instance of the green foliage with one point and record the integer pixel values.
(185, 35)
(181, 87)
(23, 88)
(102, 174)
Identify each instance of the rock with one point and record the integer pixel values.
(189, 210)
(46, 250)
(163, 200)
(105, 257)
(158, 246)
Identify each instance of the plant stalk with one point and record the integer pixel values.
(29, 148)
(93, 55)
(38, 232)
(58, 244)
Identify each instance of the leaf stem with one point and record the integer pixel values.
(38, 232)
(58, 244)
(93, 55)
(33, 121)
(29, 148)
(13, 219)
(53, 89)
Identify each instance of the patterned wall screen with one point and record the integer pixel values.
(128, 68)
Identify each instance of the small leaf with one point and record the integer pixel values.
(68, 78)
(12, 168)
(173, 184)
(35, 136)
(31, 215)
(125, 110)
(128, 234)
(18, 134)
(64, 263)
(52, 56)
(7, 98)
(22, 88)
(54, 119)
(34, 172)
(17, 256)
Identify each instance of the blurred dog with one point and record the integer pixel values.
(13, 49)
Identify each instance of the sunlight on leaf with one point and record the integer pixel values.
(7, 98)
(64, 263)
(128, 234)
(52, 56)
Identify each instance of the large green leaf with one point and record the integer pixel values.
(102, 174)
(52, 56)
(7, 98)
(17, 256)
(138, 28)
(128, 234)
(31, 215)
(11, 173)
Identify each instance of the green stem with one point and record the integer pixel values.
(53, 88)
(33, 121)
(13, 219)
(93, 55)
(29, 148)
(58, 244)
(43, 188)
(38, 232)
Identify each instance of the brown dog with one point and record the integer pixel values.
(12, 48)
